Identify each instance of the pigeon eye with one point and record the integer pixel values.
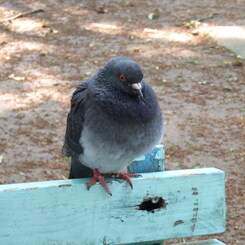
(122, 78)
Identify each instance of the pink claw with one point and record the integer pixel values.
(100, 178)
(126, 177)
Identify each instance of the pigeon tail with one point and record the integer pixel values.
(78, 170)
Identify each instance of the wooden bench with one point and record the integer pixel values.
(163, 205)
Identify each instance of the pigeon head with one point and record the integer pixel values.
(124, 74)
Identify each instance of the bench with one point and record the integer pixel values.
(162, 205)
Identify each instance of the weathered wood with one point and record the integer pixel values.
(190, 203)
(206, 242)
(151, 162)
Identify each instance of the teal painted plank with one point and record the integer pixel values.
(63, 212)
(148, 243)
(151, 162)
(206, 242)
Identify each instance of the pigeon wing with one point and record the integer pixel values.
(75, 121)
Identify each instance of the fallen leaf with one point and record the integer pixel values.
(226, 89)
(195, 62)
(237, 63)
(176, 164)
(43, 53)
(154, 15)
(2, 43)
(233, 79)
(46, 26)
(202, 82)
(136, 50)
(66, 56)
(16, 78)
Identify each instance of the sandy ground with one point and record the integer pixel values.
(200, 85)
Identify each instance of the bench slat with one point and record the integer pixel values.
(63, 212)
(151, 162)
(206, 242)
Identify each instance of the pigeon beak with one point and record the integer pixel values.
(137, 87)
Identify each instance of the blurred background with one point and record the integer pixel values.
(48, 47)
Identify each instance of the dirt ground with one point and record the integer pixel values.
(200, 85)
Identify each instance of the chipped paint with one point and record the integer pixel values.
(32, 188)
(64, 185)
(12, 189)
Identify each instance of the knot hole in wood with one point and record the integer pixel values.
(152, 204)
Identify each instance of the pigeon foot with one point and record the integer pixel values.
(100, 178)
(125, 176)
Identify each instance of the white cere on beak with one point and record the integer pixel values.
(137, 86)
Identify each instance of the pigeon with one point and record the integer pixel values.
(114, 118)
